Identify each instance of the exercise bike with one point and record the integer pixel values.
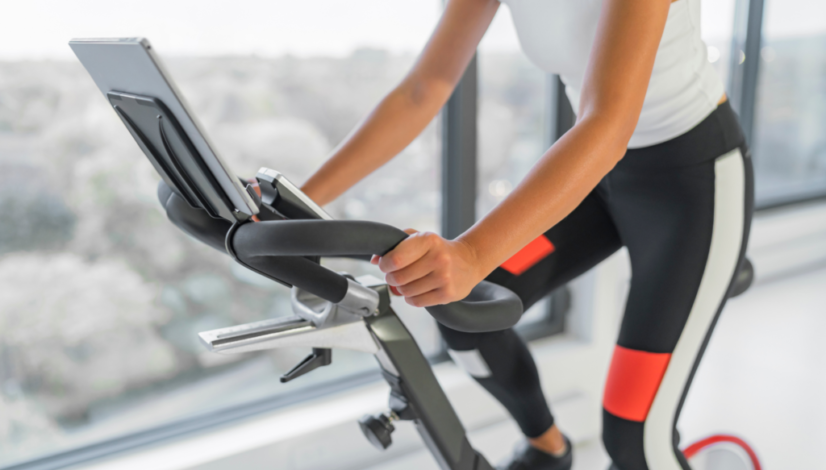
(359, 317)
(281, 234)
(336, 311)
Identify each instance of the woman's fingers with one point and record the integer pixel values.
(254, 183)
(407, 252)
(255, 187)
(412, 272)
(376, 258)
(433, 297)
(429, 270)
(422, 285)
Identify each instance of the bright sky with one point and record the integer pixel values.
(784, 18)
(42, 28)
(37, 29)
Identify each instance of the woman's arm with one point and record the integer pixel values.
(406, 111)
(429, 270)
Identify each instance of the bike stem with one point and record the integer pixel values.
(415, 394)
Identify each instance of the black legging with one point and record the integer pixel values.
(683, 209)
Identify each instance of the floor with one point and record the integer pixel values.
(763, 378)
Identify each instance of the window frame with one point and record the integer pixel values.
(747, 39)
(187, 426)
(460, 176)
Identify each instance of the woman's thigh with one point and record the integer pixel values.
(579, 242)
(685, 229)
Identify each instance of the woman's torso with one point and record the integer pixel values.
(557, 36)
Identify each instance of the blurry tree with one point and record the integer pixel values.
(101, 298)
(32, 215)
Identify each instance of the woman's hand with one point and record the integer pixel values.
(429, 270)
(254, 183)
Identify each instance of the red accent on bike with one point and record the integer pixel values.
(692, 450)
(633, 381)
(528, 256)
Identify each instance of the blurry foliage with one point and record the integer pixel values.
(77, 331)
(101, 298)
(32, 215)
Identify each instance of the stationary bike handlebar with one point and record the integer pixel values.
(279, 250)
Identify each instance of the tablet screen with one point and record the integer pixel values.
(129, 66)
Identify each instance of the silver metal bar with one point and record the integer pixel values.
(745, 61)
(352, 336)
(296, 192)
(289, 332)
(229, 338)
(359, 299)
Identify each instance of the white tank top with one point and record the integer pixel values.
(557, 36)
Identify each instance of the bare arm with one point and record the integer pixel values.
(406, 111)
(615, 85)
(429, 270)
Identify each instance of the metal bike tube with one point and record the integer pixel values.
(437, 422)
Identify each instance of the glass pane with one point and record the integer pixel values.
(789, 142)
(100, 296)
(512, 106)
(512, 122)
(717, 25)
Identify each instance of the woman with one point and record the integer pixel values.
(656, 162)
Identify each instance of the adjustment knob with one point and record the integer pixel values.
(377, 430)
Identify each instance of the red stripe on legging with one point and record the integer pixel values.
(528, 256)
(633, 381)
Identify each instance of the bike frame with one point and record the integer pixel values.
(415, 393)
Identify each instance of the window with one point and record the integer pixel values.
(101, 298)
(512, 113)
(789, 144)
(717, 24)
(514, 130)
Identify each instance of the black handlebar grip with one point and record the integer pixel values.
(314, 237)
(277, 249)
(489, 307)
(194, 221)
(269, 248)
(280, 265)
(266, 245)
(212, 232)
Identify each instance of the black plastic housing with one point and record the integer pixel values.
(171, 152)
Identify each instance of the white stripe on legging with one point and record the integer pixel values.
(726, 240)
(472, 362)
